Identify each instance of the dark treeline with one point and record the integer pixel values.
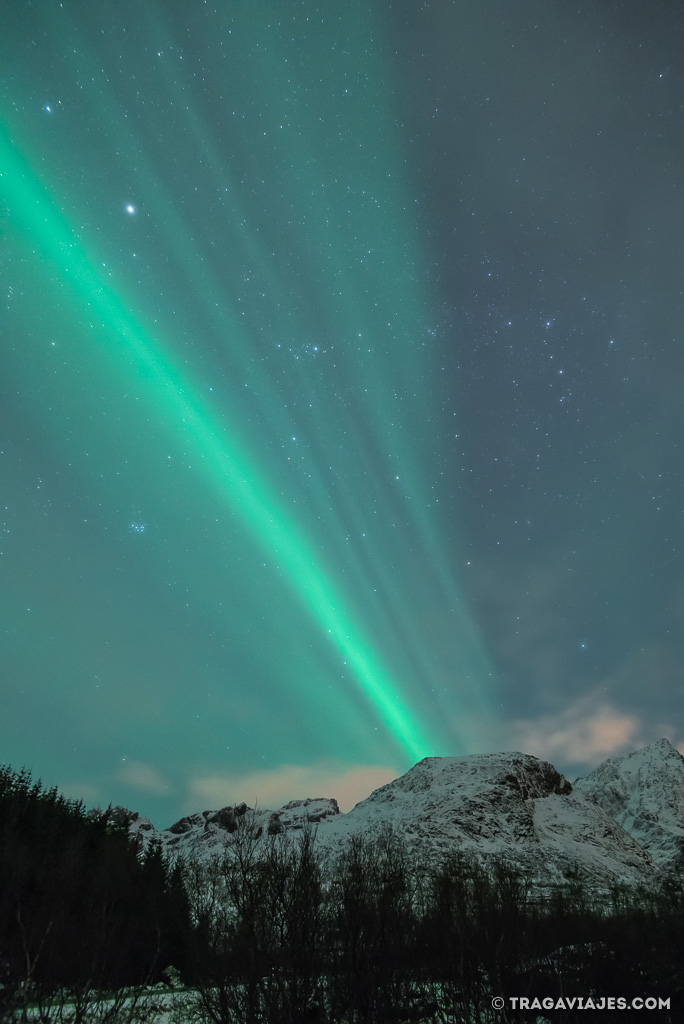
(81, 908)
(272, 933)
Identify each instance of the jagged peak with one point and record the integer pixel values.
(644, 792)
(661, 747)
(656, 754)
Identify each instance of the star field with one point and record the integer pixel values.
(340, 409)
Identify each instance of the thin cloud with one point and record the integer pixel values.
(272, 788)
(144, 777)
(589, 730)
(85, 791)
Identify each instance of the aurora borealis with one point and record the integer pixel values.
(341, 352)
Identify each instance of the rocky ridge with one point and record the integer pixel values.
(209, 831)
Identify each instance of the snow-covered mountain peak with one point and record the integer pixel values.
(508, 805)
(526, 774)
(644, 792)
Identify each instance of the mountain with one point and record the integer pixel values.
(644, 792)
(623, 822)
(508, 805)
(208, 832)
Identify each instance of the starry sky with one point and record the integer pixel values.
(341, 372)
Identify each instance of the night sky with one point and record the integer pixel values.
(341, 387)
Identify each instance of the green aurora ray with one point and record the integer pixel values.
(351, 233)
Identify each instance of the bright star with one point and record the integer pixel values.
(130, 209)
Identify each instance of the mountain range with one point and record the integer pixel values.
(624, 822)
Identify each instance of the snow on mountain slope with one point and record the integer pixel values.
(624, 821)
(644, 792)
(208, 832)
(511, 805)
